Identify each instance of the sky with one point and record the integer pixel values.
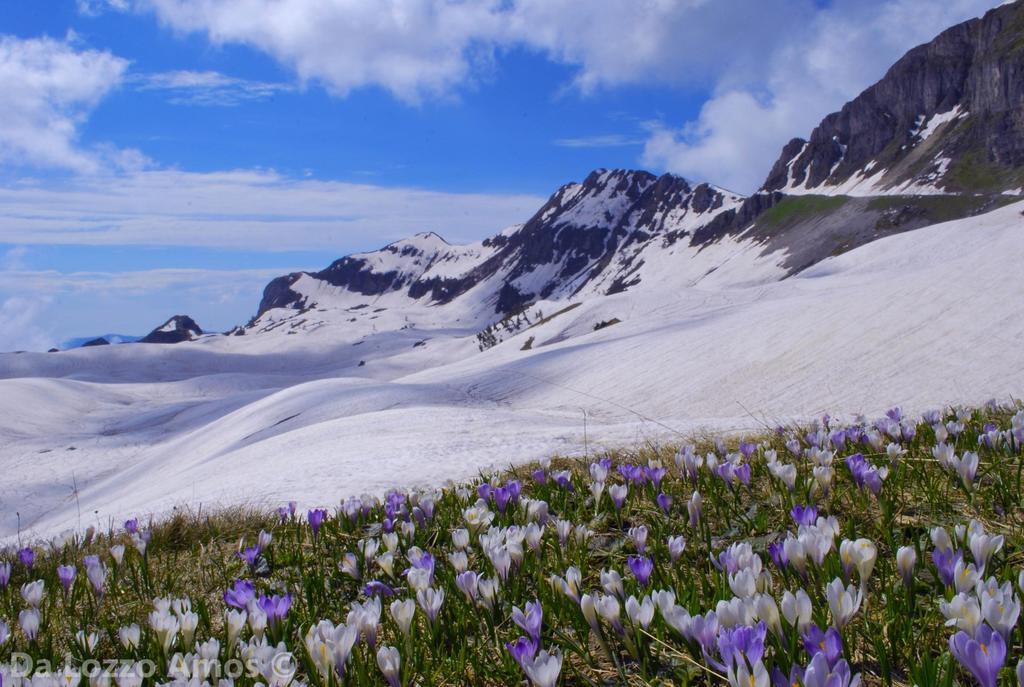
(172, 156)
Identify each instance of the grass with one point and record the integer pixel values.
(942, 208)
(971, 172)
(531, 529)
(793, 209)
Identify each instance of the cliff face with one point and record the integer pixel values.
(947, 117)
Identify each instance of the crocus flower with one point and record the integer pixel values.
(804, 515)
(29, 619)
(430, 601)
(239, 595)
(378, 588)
(742, 642)
(665, 502)
(641, 567)
(777, 551)
(982, 655)
(5, 574)
(539, 476)
(796, 677)
(543, 670)
(693, 508)
(945, 560)
(523, 649)
(250, 555)
(865, 475)
(829, 643)
(97, 575)
(402, 612)
(316, 520)
(66, 575)
(843, 602)
(32, 592)
(275, 607)
(676, 546)
(618, 493)
(906, 558)
(819, 673)
(531, 620)
(390, 663)
(131, 526)
(27, 557)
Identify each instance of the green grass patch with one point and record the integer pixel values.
(793, 209)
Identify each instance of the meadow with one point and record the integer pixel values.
(886, 551)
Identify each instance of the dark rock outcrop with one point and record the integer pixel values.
(99, 341)
(175, 330)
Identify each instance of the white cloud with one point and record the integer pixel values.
(250, 209)
(828, 61)
(49, 87)
(207, 88)
(412, 48)
(21, 324)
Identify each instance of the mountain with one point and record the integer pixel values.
(175, 330)
(947, 118)
(94, 340)
(589, 238)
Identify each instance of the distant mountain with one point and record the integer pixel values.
(83, 341)
(947, 118)
(590, 237)
(175, 330)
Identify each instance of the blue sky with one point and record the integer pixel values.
(164, 156)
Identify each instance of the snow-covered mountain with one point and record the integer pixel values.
(947, 118)
(590, 238)
(628, 307)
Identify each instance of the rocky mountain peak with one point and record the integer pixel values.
(175, 330)
(947, 117)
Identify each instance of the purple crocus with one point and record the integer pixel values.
(523, 649)
(27, 557)
(945, 561)
(250, 555)
(747, 449)
(982, 655)
(131, 526)
(66, 575)
(829, 643)
(483, 491)
(641, 567)
(502, 496)
(531, 621)
(804, 515)
(665, 502)
(377, 588)
(283, 513)
(539, 476)
(777, 551)
(865, 475)
(742, 641)
(742, 473)
(240, 594)
(894, 414)
(316, 520)
(5, 574)
(655, 475)
(276, 607)
(796, 676)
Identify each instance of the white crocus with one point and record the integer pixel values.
(843, 602)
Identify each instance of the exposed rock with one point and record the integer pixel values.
(949, 115)
(100, 341)
(175, 330)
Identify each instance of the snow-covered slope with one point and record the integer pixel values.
(926, 317)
